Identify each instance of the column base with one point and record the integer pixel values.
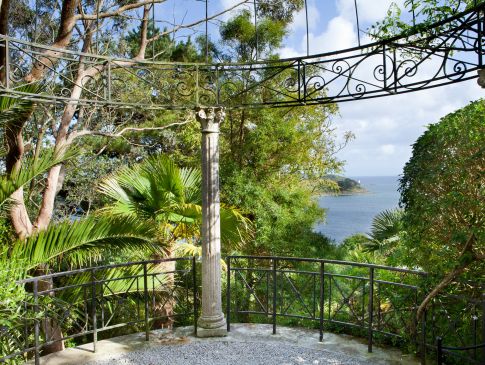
(212, 326)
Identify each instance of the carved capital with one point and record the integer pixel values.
(210, 118)
(481, 78)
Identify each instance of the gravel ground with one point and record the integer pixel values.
(227, 353)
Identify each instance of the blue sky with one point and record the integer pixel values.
(385, 128)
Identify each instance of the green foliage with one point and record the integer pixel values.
(385, 232)
(243, 39)
(427, 13)
(80, 242)
(442, 191)
(169, 197)
(30, 170)
(15, 109)
(12, 316)
(283, 214)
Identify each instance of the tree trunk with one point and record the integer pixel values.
(15, 151)
(64, 34)
(51, 329)
(164, 307)
(448, 278)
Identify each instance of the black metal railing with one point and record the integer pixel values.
(85, 304)
(458, 352)
(371, 301)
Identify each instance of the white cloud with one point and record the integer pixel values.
(288, 52)
(388, 149)
(338, 35)
(386, 127)
(370, 11)
(299, 19)
(398, 121)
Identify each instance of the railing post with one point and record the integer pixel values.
(145, 292)
(439, 350)
(304, 82)
(93, 310)
(36, 322)
(483, 324)
(322, 288)
(371, 309)
(228, 294)
(423, 338)
(274, 296)
(299, 80)
(194, 279)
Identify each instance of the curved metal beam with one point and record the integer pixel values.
(447, 52)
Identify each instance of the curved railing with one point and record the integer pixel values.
(371, 301)
(84, 305)
(460, 352)
(445, 52)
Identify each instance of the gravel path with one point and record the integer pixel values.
(230, 353)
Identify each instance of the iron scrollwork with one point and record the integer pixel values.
(444, 53)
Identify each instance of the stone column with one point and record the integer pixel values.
(212, 322)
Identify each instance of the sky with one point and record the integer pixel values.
(384, 128)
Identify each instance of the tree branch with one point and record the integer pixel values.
(86, 132)
(448, 278)
(118, 11)
(185, 26)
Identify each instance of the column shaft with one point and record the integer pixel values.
(212, 322)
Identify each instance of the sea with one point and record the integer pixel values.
(350, 214)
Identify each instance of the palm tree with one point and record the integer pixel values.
(160, 193)
(385, 231)
(75, 242)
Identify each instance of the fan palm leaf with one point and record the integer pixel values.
(385, 230)
(160, 191)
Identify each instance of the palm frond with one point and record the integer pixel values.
(14, 109)
(86, 236)
(385, 230)
(184, 249)
(386, 224)
(158, 190)
(31, 169)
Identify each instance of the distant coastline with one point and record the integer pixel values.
(348, 214)
(344, 186)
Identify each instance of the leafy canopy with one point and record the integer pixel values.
(443, 190)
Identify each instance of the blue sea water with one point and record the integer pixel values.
(350, 214)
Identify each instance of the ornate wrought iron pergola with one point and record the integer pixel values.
(446, 52)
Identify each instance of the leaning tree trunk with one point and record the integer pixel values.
(49, 325)
(165, 303)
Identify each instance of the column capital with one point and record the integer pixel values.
(481, 78)
(210, 118)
